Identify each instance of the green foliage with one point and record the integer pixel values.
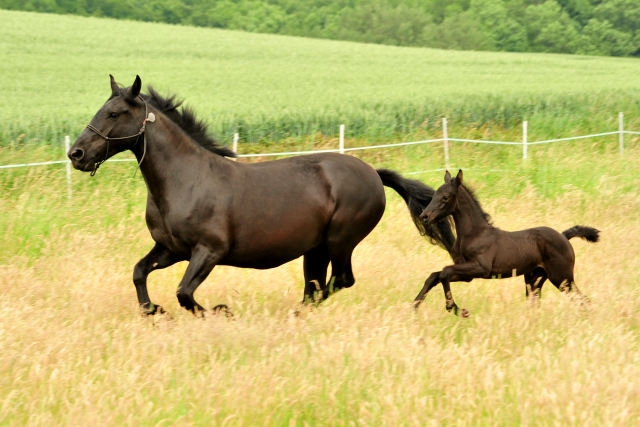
(594, 27)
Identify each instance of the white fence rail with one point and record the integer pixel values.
(341, 148)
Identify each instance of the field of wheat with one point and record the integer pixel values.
(55, 76)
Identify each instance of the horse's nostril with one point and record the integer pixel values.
(76, 154)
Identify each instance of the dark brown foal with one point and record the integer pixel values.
(483, 251)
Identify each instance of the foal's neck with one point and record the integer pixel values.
(468, 216)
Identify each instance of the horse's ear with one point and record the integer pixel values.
(136, 87)
(447, 177)
(459, 178)
(114, 86)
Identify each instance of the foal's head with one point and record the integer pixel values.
(444, 201)
(115, 127)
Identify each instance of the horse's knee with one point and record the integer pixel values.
(140, 272)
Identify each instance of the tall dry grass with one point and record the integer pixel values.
(74, 351)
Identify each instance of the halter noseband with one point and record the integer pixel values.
(149, 117)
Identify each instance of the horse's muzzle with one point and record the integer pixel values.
(76, 154)
(84, 166)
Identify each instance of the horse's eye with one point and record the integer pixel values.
(445, 198)
(113, 115)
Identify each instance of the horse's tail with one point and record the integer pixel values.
(417, 196)
(587, 233)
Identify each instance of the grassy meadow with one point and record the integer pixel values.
(74, 350)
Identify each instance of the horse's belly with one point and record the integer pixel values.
(259, 263)
(262, 257)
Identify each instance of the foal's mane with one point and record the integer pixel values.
(472, 193)
(185, 119)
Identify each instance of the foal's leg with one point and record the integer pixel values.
(315, 265)
(568, 287)
(534, 281)
(464, 272)
(429, 284)
(159, 257)
(560, 273)
(200, 265)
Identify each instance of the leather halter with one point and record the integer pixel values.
(149, 117)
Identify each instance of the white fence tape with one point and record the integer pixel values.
(371, 147)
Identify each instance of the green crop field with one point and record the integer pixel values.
(55, 75)
(74, 350)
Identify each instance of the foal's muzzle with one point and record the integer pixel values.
(426, 217)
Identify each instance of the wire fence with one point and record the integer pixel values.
(445, 139)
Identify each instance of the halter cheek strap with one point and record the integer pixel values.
(149, 117)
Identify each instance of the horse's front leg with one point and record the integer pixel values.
(464, 272)
(202, 261)
(159, 257)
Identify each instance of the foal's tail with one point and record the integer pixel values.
(418, 196)
(587, 233)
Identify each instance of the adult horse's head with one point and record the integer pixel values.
(116, 127)
(444, 200)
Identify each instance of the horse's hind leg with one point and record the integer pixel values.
(341, 272)
(534, 281)
(315, 265)
(159, 257)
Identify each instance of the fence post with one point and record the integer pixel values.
(445, 136)
(236, 136)
(341, 139)
(68, 164)
(524, 139)
(621, 130)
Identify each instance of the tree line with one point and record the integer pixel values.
(592, 27)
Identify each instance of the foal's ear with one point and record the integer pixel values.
(459, 178)
(136, 87)
(447, 177)
(114, 86)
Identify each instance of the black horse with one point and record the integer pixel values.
(209, 210)
(483, 251)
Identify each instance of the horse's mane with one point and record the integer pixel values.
(472, 193)
(185, 119)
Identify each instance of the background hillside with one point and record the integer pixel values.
(267, 87)
(593, 27)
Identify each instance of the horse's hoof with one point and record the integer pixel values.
(454, 309)
(222, 309)
(152, 309)
(465, 313)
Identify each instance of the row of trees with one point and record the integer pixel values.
(593, 27)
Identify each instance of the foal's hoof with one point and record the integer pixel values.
(222, 309)
(465, 313)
